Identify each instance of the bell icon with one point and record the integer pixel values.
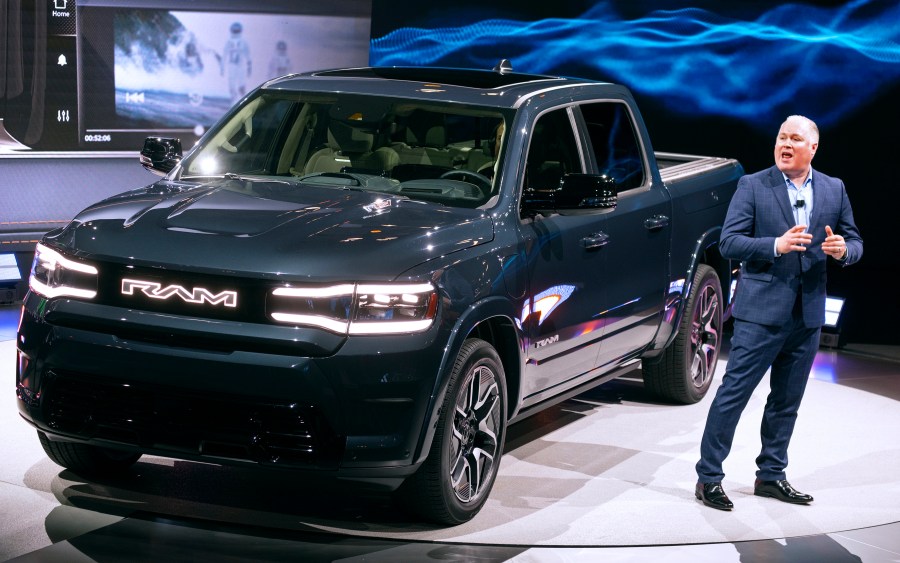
(62, 60)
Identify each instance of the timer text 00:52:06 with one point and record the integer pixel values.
(98, 138)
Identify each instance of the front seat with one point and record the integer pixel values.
(425, 141)
(351, 148)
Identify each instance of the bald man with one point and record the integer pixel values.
(783, 225)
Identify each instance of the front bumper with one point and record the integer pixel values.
(153, 383)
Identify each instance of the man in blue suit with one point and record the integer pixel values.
(782, 225)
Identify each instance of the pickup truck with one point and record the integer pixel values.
(372, 273)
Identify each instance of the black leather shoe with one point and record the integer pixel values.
(712, 494)
(781, 490)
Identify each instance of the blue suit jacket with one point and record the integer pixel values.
(761, 212)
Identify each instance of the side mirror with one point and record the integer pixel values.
(160, 154)
(576, 192)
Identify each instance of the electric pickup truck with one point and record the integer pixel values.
(371, 273)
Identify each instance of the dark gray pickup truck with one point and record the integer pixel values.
(374, 272)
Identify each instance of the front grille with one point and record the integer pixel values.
(165, 419)
(183, 293)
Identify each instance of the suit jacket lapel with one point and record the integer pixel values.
(818, 189)
(779, 189)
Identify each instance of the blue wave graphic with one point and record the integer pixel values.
(824, 62)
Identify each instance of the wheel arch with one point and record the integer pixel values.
(704, 251)
(491, 320)
(500, 332)
(726, 271)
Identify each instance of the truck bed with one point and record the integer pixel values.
(674, 167)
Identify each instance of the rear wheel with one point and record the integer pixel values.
(85, 459)
(456, 478)
(684, 372)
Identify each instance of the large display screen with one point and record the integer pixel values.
(105, 74)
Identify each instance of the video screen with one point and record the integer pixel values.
(112, 72)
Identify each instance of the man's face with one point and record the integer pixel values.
(795, 148)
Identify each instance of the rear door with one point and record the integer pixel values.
(639, 229)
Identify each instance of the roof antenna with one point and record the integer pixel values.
(503, 67)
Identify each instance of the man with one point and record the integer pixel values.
(783, 225)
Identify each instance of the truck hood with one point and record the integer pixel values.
(306, 232)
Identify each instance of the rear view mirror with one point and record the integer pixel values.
(160, 154)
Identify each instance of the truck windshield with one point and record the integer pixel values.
(440, 153)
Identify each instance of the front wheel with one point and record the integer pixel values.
(456, 478)
(684, 371)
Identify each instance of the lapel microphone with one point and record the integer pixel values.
(800, 202)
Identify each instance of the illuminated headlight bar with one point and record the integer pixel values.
(321, 307)
(357, 308)
(54, 275)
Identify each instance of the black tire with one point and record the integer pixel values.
(469, 435)
(684, 371)
(87, 460)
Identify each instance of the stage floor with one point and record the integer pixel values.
(608, 474)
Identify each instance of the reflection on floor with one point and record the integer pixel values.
(187, 511)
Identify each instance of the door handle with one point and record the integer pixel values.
(595, 240)
(656, 222)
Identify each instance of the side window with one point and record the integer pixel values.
(614, 143)
(553, 152)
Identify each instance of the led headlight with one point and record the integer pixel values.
(322, 307)
(393, 308)
(357, 308)
(54, 275)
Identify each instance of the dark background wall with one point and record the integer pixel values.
(713, 78)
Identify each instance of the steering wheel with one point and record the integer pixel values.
(479, 180)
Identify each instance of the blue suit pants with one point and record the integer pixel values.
(789, 350)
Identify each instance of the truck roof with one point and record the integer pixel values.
(500, 88)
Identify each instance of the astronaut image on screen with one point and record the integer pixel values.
(280, 63)
(167, 68)
(176, 72)
(190, 61)
(236, 62)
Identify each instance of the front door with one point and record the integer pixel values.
(566, 267)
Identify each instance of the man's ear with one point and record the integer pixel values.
(813, 148)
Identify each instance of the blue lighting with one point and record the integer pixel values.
(823, 368)
(695, 61)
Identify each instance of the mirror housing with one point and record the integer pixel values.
(161, 154)
(576, 192)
